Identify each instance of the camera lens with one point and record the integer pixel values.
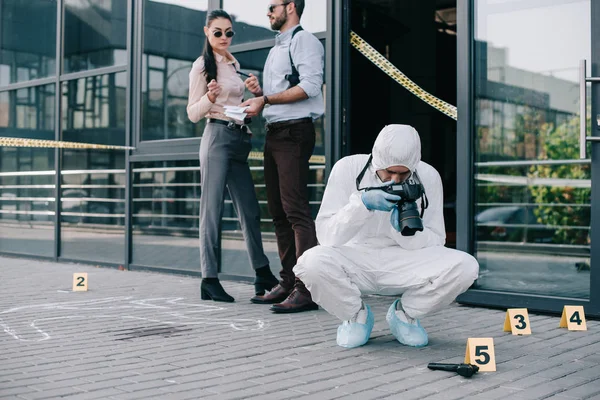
(409, 218)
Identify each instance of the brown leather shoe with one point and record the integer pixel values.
(277, 295)
(295, 302)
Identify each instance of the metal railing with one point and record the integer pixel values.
(524, 227)
(44, 200)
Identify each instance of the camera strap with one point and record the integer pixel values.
(424, 199)
(294, 70)
(362, 173)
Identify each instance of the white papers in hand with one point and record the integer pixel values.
(235, 112)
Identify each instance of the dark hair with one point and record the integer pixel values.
(299, 7)
(210, 65)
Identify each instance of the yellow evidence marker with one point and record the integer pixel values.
(80, 282)
(573, 318)
(517, 321)
(480, 352)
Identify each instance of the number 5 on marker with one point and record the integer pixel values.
(80, 282)
(480, 352)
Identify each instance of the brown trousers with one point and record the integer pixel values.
(288, 147)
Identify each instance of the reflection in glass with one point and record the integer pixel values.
(28, 113)
(95, 33)
(93, 181)
(165, 218)
(27, 191)
(27, 40)
(166, 198)
(93, 109)
(251, 23)
(532, 192)
(173, 40)
(165, 214)
(93, 205)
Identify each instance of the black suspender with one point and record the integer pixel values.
(294, 77)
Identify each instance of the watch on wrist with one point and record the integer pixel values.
(265, 100)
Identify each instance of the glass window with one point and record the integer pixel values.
(93, 191)
(93, 109)
(27, 190)
(93, 205)
(27, 199)
(173, 40)
(28, 113)
(252, 24)
(27, 40)
(165, 214)
(166, 199)
(95, 34)
(532, 191)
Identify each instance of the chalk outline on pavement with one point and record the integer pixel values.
(238, 324)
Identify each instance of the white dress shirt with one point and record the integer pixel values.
(308, 55)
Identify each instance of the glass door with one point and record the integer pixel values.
(534, 101)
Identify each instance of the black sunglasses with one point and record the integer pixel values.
(273, 6)
(228, 34)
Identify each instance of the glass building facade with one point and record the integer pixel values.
(517, 193)
(532, 160)
(116, 72)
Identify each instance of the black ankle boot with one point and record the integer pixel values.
(265, 280)
(211, 288)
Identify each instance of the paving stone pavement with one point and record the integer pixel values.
(143, 335)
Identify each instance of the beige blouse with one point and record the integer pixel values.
(232, 93)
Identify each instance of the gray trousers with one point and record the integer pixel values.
(224, 162)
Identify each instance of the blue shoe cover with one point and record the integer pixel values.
(354, 334)
(407, 334)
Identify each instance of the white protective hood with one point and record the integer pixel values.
(343, 218)
(397, 145)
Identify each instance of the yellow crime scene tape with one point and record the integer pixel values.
(357, 42)
(380, 61)
(258, 155)
(19, 142)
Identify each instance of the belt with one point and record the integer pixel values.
(283, 124)
(229, 124)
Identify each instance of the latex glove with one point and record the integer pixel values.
(379, 200)
(394, 218)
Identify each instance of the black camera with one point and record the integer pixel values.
(409, 191)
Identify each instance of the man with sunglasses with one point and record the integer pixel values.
(291, 99)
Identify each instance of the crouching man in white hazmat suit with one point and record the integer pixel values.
(365, 248)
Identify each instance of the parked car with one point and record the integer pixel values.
(512, 224)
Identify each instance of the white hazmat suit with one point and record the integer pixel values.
(360, 253)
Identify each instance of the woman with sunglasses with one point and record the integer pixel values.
(224, 150)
